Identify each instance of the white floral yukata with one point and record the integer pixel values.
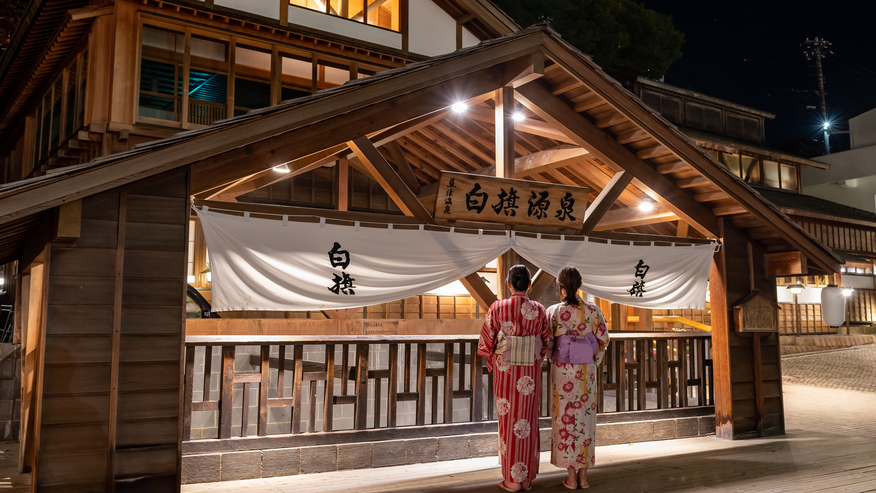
(573, 411)
(517, 388)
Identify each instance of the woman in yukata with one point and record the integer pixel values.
(515, 339)
(580, 339)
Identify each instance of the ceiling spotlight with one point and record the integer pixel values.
(283, 168)
(459, 107)
(848, 291)
(647, 205)
(796, 288)
(518, 116)
(826, 125)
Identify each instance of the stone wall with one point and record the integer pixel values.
(251, 464)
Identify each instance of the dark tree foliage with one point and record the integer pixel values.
(11, 12)
(619, 34)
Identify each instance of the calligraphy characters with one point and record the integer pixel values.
(538, 205)
(476, 200)
(507, 202)
(638, 288)
(448, 195)
(565, 210)
(342, 283)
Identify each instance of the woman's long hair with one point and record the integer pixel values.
(569, 279)
(519, 277)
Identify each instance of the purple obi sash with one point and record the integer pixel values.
(570, 350)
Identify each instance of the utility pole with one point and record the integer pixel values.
(819, 48)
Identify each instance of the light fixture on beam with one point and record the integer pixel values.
(283, 168)
(796, 288)
(518, 116)
(459, 107)
(847, 291)
(647, 205)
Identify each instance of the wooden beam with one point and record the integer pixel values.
(525, 69)
(682, 228)
(478, 290)
(345, 314)
(631, 217)
(540, 101)
(504, 133)
(541, 281)
(404, 167)
(391, 182)
(786, 264)
(605, 200)
(530, 126)
(270, 176)
(343, 184)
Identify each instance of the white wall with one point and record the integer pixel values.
(264, 8)
(344, 27)
(863, 196)
(432, 31)
(468, 39)
(863, 129)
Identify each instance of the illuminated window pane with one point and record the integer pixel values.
(732, 162)
(771, 173)
(789, 177)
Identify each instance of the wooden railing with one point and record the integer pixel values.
(205, 112)
(302, 387)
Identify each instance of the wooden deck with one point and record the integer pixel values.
(830, 446)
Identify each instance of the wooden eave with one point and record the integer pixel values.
(65, 39)
(409, 106)
(724, 144)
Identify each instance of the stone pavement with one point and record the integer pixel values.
(830, 445)
(850, 369)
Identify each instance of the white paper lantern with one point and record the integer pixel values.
(833, 306)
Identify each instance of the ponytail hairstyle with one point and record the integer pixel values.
(570, 280)
(519, 277)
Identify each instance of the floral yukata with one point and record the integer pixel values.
(574, 387)
(517, 388)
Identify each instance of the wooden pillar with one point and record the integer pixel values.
(124, 67)
(743, 408)
(504, 122)
(100, 63)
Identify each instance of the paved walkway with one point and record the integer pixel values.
(830, 445)
(850, 369)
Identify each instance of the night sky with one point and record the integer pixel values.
(748, 52)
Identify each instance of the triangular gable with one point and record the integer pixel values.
(384, 106)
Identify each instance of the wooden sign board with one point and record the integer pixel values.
(478, 198)
(757, 314)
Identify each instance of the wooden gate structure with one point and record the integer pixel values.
(103, 245)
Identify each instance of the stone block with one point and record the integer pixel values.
(688, 427)
(483, 444)
(281, 462)
(422, 450)
(241, 465)
(354, 456)
(665, 429)
(613, 433)
(323, 458)
(706, 425)
(640, 431)
(451, 448)
(201, 468)
(389, 453)
(544, 436)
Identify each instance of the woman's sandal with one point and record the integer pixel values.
(506, 487)
(567, 485)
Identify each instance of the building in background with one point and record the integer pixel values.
(851, 179)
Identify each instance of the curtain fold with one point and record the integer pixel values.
(270, 265)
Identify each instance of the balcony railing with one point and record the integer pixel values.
(310, 390)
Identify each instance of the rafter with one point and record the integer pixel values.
(478, 290)
(391, 182)
(629, 217)
(605, 200)
(485, 115)
(587, 135)
(404, 167)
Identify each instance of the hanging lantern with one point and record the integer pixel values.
(833, 305)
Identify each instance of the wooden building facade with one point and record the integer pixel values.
(102, 234)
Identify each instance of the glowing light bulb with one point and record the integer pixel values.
(848, 291)
(283, 168)
(459, 107)
(518, 116)
(646, 206)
